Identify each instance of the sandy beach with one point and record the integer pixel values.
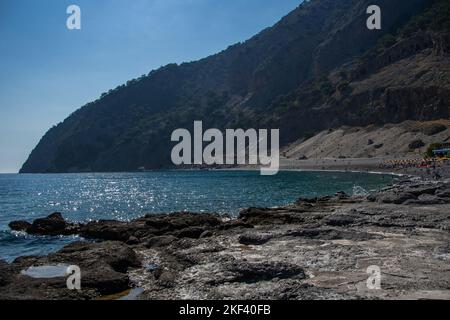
(363, 165)
(370, 165)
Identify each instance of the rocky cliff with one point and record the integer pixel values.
(319, 67)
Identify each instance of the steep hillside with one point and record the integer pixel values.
(319, 67)
(407, 139)
(406, 76)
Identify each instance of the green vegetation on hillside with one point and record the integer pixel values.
(436, 19)
(294, 76)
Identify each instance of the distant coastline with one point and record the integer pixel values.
(361, 165)
(355, 165)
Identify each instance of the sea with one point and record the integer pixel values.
(123, 196)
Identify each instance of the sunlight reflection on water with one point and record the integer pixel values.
(124, 196)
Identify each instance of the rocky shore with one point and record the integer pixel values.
(316, 248)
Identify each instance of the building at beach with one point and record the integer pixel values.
(444, 150)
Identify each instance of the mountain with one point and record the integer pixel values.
(319, 67)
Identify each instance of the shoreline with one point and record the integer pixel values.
(355, 165)
(321, 170)
(305, 250)
(364, 165)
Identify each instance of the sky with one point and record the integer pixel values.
(48, 71)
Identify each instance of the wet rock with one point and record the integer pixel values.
(52, 225)
(110, 230)
(115, 254)
(19, 225)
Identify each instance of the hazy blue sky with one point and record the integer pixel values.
(48, 71)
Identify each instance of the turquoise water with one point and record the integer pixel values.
(123, 196)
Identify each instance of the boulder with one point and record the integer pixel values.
(52, 225)
(19, 225)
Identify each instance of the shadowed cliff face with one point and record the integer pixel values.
(301, 75)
